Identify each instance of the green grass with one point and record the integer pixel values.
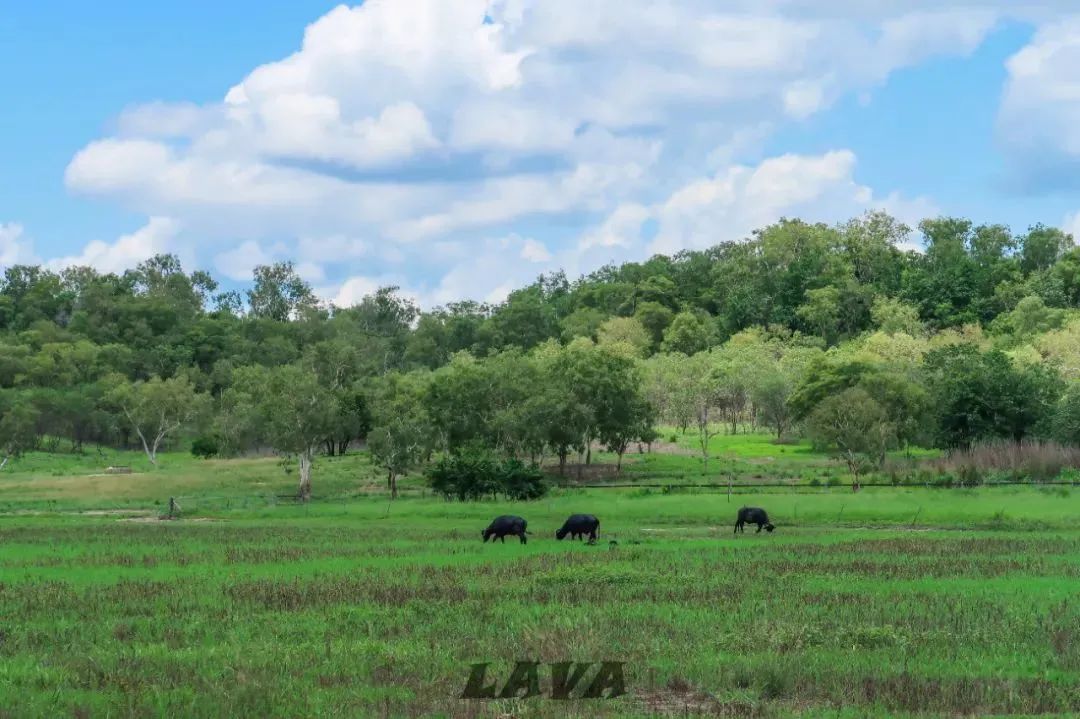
(359, 607)
(887, 602)
(747, 457)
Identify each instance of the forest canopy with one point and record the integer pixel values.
(837, 333)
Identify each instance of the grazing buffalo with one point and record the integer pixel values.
(753, 515)
(578, 525)
(504, 525)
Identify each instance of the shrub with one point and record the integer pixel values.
(205, 447)
(472, 474)
(520, 481)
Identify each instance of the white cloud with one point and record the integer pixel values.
(534, 251)
(353, 290)
(463, 87)
(154, 238)
(622, 228)
(739, 199)
(420, 125)
(239, 262)
(14, 248)
(1039, 119)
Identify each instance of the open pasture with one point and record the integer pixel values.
(885, 603)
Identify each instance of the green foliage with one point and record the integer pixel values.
(205, 447)
(81, 351)
(1065, 421)
(855, 426)
(981, 396)
(475, 474)
(689, 333)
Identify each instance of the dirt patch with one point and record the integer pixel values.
(681, 699)
(117, 512)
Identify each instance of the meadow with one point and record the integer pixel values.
(889, 602)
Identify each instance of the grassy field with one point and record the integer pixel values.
(44, 481)
(889, 602)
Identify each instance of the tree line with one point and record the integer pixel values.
(836, 333)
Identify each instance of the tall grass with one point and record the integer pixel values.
(1034, 460)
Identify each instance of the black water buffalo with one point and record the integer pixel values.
(504, 525)
(578, 525)
(753, 515)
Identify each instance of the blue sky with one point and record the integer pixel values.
(457, 148)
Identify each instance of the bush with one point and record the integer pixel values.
(520, 481)
(205, 447)
(470, 475)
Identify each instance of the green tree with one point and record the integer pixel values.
(158, 409)
(980, 396)
(582, 322)
(772, 396)
(401, 434)
(279, 293)
(625, 332)
(894, 316)
(296, 414)
(655, 318)
(852, 424)
(1065, 422)
(18, 426)
(1042, 246)
(689, 333)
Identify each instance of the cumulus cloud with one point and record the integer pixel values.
(1039, 119)
(534, 251)
(238, 263)
(425, 126)
(738, 199)
(154, 238)
(14, 248)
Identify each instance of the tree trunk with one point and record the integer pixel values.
(588, 455)
(391, 480)
(329, 447)
(618, 465)
(342, 446)
(305, 476)
(4, 463)
(562, 462)
(151, 452)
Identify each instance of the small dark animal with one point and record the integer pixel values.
(504, 525)
(579, 525)
(753, 515)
